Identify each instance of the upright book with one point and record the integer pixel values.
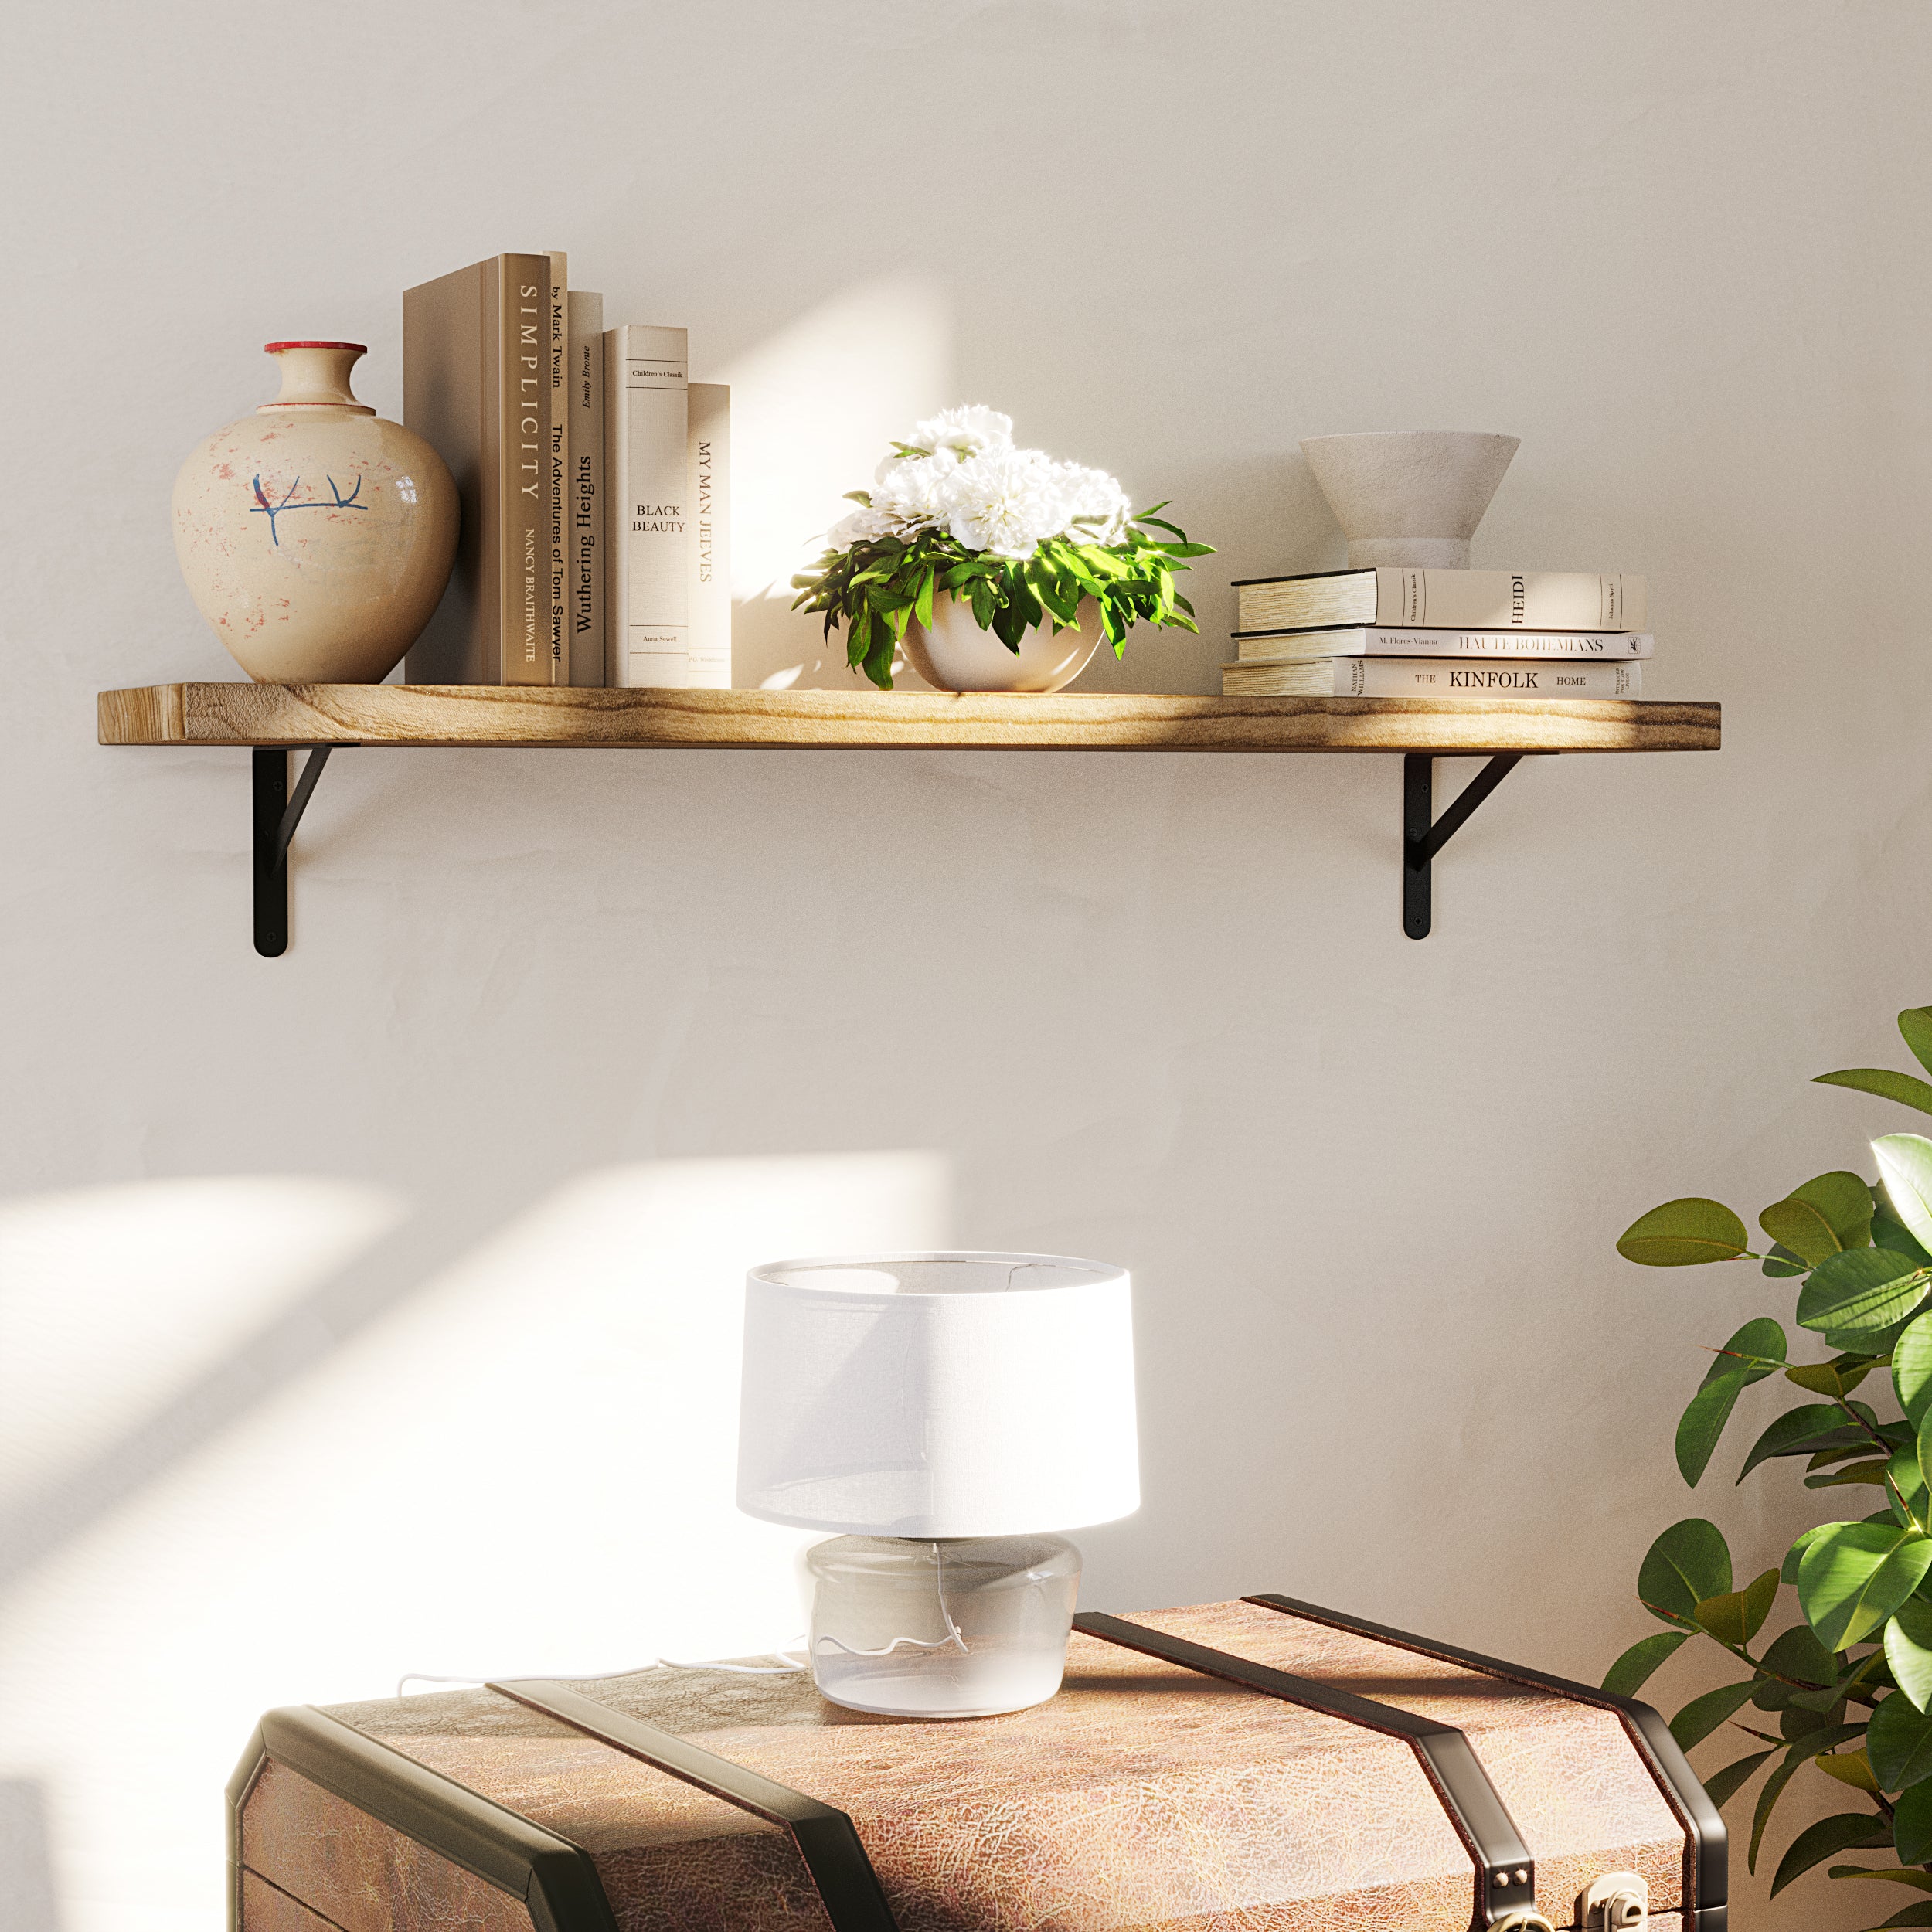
(476, 386)
(585, 549)
(708, 662)
(1445, 600)
(647, 458)
(557, 336)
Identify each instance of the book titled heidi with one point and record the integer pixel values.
(1449, 600)
(476, 387)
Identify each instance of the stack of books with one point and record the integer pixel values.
(594, 478)
(1403, 632)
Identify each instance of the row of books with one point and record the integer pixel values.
(1406, 632)
(595, 482)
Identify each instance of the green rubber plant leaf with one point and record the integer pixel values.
(1755, 1351)
(1906, 1088)
(1690, 1562)
(1781, 1262)
(1702, 1714)
(1681, 1233)
(1837, 1377)
(1912, 1370)
(1795, 1556)
(1795, 1653)
(1913, 1915)
(1861, 1292)
(1915, 1029)
(1721, 1787)
(1898, 1740)
(1632, 1670)
(1853, 1576)
(1771, 1790)
(1905, 1167)
(1829, 1835)
(1850, 1767)
(1912, 1826)
(1737, 1616)
(1821, 1218)
(1908, 1649)
(1919, 1881)
(1795, 1433)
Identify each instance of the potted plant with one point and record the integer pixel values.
(993, 568)
(1847, 1687)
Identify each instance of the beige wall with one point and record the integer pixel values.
(371, 1309)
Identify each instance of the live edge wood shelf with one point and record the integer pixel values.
(273, 718)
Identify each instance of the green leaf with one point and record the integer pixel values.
(1781, 1263)
(1861, 1291)
(1900, 1740)
(1913, 1915)
(1908, 1649)
(1850, 1767)
(1919, 1881)
(1681, 1233)
(1689, 1562)
(1795, 1433)
(1767, 1797)
(1736, 1617)
(1888, 1086)
(1794, 1653)
(1630, 1672)
(1912, 1825)
(1912, 1370)
(1853, 1576)
(1915, 1029)
(1721, 1787)
(1837, 1377)
(1749, 1357)
(1702, 1714)
(1817, 1842)
(1870, 1474)
(1825, 1215)
(1905, 1167)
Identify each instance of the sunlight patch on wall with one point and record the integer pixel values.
(812, 411)
(527, 1466)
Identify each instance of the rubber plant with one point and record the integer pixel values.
(1846, 1688)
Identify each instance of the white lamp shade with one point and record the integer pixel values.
(938, 1394)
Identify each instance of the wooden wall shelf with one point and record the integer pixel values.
(421, 715)
(273, 718)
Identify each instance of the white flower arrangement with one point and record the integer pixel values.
(956, 509)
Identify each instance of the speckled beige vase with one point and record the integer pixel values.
(315, 536)
(953, 654)
(1410, 496)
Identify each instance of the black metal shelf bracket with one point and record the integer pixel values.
(276, 814)
(1421, 840)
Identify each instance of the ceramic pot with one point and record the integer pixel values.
(953, 654)
(315, 537)
(1410, 496)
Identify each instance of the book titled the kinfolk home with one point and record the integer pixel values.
(477, 384)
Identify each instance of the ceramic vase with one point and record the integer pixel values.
(1410, 496)
(953, 654)
(315, 537)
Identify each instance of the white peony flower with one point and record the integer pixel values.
(911, 492)
(970, 429)
(1097, 506)
(1003, 502)
(860, 527)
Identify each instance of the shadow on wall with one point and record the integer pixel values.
(275, 1440)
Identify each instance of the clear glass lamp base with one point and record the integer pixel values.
(964, 1626)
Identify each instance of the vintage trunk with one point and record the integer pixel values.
(1262, 1765)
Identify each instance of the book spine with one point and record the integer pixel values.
(1397, 677)
(524, 391)
(1508, 600)
(708, 551)
(1586, 646)
(585, 548)
(558, 311)
(647, 427)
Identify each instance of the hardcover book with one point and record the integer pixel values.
(1428, 677)
(557, 315)
(709, 551)
(1473, 600)
(584, 398)
(647, 456)
(475, 386)
(1367, 640)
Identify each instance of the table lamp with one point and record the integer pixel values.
(942, 1415)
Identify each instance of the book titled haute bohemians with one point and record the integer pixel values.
(647, 456)
(1445, 600)
(1428, 677)
(1371, 641)
(476, 386)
